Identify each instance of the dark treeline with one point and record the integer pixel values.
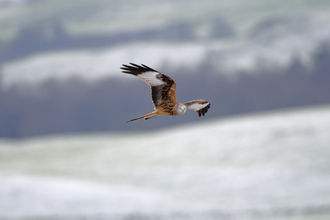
(78, 106)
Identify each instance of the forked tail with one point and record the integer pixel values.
(146, 116)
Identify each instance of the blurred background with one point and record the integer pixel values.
(261, 152)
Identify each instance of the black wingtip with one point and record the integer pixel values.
(135, 69)
(204, 110)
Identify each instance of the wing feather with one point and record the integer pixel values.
(162, 86)
(200, 106)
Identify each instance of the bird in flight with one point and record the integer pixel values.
(163, 93)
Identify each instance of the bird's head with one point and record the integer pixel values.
(181, 108)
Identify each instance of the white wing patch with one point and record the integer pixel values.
(199, 106)
(151, 78)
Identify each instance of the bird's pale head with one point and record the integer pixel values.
(181, 108)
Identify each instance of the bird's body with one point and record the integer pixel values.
(163, 93)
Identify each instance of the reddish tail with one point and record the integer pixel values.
(146, 116)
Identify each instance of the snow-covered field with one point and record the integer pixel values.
(266, 32)
(268, 166)
(298, 39)
(98, 63)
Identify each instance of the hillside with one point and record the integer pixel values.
(75, 105)
(60, 60)
(91, 39)
(271, 165)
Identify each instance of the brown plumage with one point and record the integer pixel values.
(163, 93)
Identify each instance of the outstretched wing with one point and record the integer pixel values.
(200, 106)
(162, 86)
